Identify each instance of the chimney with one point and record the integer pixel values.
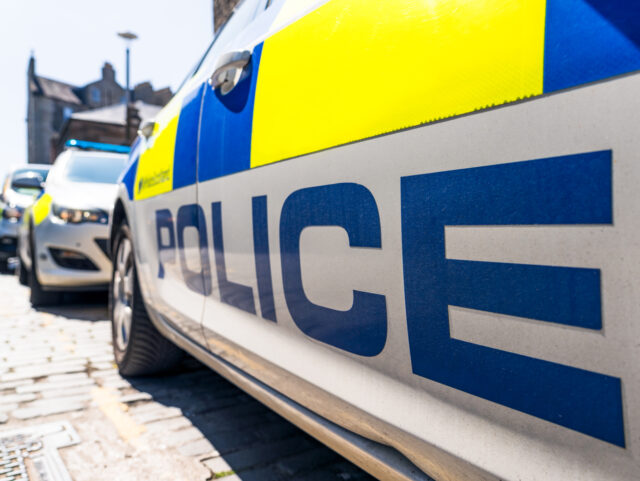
(108, 73)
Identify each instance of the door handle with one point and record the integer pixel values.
(225, 76)
(146, 128)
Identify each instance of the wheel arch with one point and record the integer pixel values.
(118, 217)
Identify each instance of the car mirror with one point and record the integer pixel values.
(27, 183)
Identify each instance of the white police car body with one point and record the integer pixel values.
(408, 225)
(63, 241)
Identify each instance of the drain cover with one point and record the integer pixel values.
(31, 454)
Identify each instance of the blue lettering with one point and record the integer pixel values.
(261, 252)
(568, 190)
(166, 252)
(231, 293)
(191, 215)
(362, 329)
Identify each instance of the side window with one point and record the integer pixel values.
(242, 16)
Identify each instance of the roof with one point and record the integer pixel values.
(116, 114)
(56, 90)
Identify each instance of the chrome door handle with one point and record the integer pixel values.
(146, 128)
(225, 76)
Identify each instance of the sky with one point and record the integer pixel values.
(71, 40)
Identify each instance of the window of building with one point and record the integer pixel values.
(66, 113)
(95, 95)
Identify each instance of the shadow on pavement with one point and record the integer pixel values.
(85, 306)
(256, 443)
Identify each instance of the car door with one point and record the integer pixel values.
(166, 228)
(174, 266)
(410, 217)
(233, 205)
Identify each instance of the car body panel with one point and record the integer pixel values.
(459, 289)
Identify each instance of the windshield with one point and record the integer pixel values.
(21, 179)
(103, 170)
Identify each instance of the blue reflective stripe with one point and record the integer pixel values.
(128, 177)
(589, 40)
(225, 132)
(186, 146)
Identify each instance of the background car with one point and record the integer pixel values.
(19, 189)
(63, 239)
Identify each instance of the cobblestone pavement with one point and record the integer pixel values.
(57, 364)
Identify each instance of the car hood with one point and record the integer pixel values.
(79, 195)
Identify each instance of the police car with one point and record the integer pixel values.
(19, 188)
(411, 228)
(64, 235)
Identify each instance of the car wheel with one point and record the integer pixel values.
(138, 346)
(39, 297)
(23, 274)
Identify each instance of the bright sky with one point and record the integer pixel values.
(72, 39)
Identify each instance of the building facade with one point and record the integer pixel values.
(222, 10)
(52, 104)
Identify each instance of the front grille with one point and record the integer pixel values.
(103, 244)
(72, 260)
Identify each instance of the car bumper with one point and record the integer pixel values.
(52, 237)
(8, 238)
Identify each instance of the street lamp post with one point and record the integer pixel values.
(128, 38)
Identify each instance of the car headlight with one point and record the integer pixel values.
(12, 214)
(77, 216)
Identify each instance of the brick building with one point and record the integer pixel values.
(52, 105)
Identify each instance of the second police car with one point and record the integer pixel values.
(63, 236)
(411, 228)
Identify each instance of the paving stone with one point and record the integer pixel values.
(53, 386)
(7, 408)
(157, 415)
(47, 410)
(70, 391)
(166, 425)
(16, 398)
(196, 448)
(115, 384)
(42, 371)
(5, 386)
(217, 465)
(182, 437)
(80, 398)
(136, 397)
(67, 377)
(3, 418)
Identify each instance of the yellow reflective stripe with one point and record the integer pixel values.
(154, 175)
(353, 69)
(41, 208)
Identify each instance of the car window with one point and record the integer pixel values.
(103, 170)
(241, 17)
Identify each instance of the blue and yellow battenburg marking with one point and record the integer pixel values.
(354, 69)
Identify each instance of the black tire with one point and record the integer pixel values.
(146, 351)
(39, 297)
(23, 274)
